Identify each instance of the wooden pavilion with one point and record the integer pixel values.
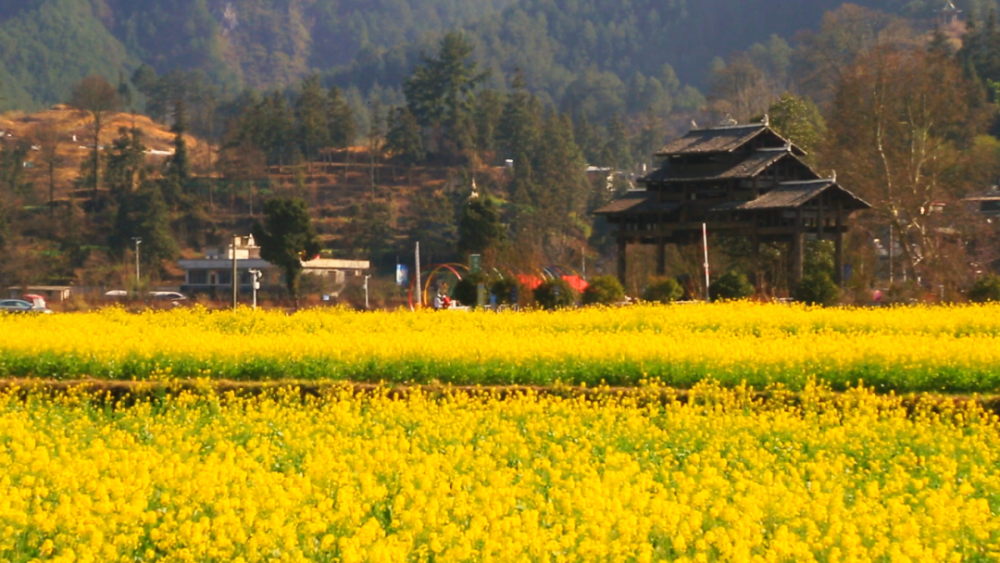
(741, 180)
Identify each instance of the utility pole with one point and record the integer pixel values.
(236, 287)
(420, 288)
(137, 241)
(704, 238)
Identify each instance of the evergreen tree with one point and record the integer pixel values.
(439, 92)
(311, 115)
(278, 131)
(798, 120)
(287, 238)
(368, 233)
(433, 225)
(518, 130)
(940, 45)
(180, 162)
(144, 214)
(404, 139)
(488, 111)
(480, 228)
(125, 162)
(559, 174)
(340, 120)
(618, 144)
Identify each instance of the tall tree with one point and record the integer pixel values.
(433, 225)
(798, 120)
(898, 120)
(403, 139)
(144, 214)
(95, 96)
(480, 228)
(287, 238)
(439, 93)
(518, 129)
(49, 138)
(311, 116)
(180, 162)
(125, 163)
(340, 119)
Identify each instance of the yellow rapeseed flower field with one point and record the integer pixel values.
(903, 349)
(359, 478)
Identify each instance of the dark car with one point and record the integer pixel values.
(21, 306)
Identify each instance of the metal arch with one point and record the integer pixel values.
(433, 270)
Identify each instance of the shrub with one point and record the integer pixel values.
(507, 290)
(986, 288)
(732, 285)
(555, 294)
(466, 289)
(665, 290)
(603, 290)
(817, 288)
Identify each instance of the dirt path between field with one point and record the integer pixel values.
(130, 391)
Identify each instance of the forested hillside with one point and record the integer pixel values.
(564, 47)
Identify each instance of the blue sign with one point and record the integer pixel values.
(402, 275)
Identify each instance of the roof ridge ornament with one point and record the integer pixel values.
(834, 178)
(694, 124)
(766, 120)
(729, 121)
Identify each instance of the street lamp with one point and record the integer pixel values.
(255, 276)
(137, 241)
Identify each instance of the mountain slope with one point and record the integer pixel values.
(47, 47)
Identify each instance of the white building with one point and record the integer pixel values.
(214, 272)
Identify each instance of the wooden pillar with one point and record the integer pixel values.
(796, 253)
(622, 264)
(821, 219)
(838, 253)
(661, 256)
(755, 255)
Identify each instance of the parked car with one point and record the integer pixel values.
(21, 306)
(171, 296)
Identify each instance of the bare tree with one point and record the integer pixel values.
(97, 97)
(740, 90)
(895, 132)
(49, 137)
(846, 34)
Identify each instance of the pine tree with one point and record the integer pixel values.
(518, 130)
(433, 225)
(286, 238)
(439, 92)
(340, 120)
(404, 140)
(489, 110)
(144, 214)
(279, 131)
(618, 144)
(480, 228)
(125, 163)
(180, 162)
(940, 45)
(311, 116)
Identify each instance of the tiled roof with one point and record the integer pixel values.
(636, 202)
(747, 168)
(790, 195)
(721, 139)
